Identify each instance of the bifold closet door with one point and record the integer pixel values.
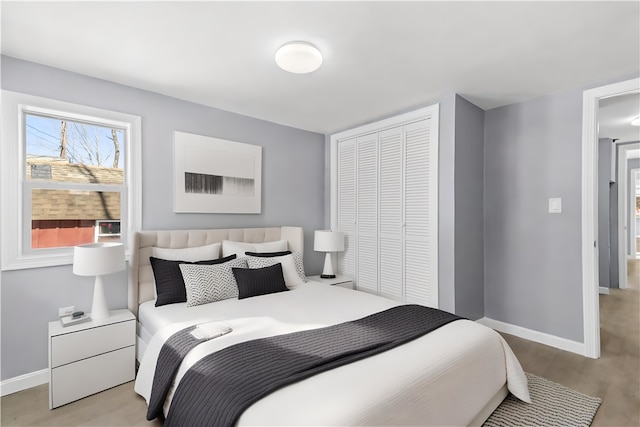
(347, 175)
(420, 259)
(387, 196)
(391, 213)
(367, 213)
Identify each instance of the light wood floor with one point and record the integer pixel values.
(615, 378)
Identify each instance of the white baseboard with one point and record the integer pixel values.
(23, 382)
(603, 290)
(531, 335)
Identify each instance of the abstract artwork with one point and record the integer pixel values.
(214, 175)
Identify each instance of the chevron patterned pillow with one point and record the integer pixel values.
(210, 283)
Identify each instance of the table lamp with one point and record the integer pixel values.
(328, 241)
(98, 259)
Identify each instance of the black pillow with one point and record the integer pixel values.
(259, 281)
(169, 282)
(267, 254)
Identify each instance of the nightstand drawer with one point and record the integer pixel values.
(77, 380)
(67, 348)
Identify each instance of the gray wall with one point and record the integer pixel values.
(469, 215)
(447, 205)
(30, 298)
(533, 259)
(533, 273)
(604, 210)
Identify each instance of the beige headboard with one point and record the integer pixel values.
(141, 280)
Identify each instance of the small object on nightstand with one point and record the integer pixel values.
(77, 314)
(73, 320)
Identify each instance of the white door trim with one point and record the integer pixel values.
(590, 285)
(622, 216)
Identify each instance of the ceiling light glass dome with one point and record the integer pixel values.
(298, 57)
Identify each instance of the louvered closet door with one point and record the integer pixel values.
(367, 213)
(391, 213)
(420, 286)
(347, 205)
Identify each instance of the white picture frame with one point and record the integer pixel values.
(213, 175)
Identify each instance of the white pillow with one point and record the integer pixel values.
(291, 277)
(230, 247)
(198, 253)
(210, 283)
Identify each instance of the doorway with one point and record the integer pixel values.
(628, 161)
(590, 272)
(635, 210)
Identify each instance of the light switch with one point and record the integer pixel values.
(555, 205)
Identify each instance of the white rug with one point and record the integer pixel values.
(551, 405)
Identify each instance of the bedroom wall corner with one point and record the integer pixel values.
(469, 214)
(446, 204)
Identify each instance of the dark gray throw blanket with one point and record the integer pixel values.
(169, 360)
(222, 385)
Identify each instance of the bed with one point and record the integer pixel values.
(455, 375)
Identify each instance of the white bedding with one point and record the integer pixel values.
(443, 378)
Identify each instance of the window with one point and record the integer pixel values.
(107, 231)
(70, 176)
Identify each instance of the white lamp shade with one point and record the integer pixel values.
(328, 241)
(97, 259)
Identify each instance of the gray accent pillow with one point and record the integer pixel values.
(210, 283)
(253, 282)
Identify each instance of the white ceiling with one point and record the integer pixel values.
(379, 57)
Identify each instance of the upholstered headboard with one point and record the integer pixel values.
(141, 280)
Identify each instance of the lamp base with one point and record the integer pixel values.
(99, 308)
(328, 272)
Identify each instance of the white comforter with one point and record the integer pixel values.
(443, 378)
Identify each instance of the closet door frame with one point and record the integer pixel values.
(430, 112)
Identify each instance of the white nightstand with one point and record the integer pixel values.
(342, 281)
(90, 357)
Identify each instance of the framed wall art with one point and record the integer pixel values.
(214, 175)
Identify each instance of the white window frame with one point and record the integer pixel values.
(16, 212)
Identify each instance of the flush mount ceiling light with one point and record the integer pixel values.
(298, 57)
(636, 121)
